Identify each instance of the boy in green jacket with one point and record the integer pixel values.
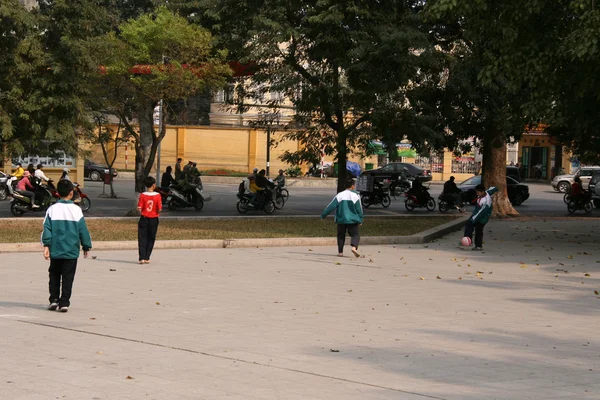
(481, 215)
(65, 232)
(348, 216)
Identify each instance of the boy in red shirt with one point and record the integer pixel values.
(150, 205)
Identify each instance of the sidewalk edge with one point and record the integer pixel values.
(422, 237)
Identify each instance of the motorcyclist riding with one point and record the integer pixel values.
(25, 188)
(418, 190)
(451, 189)
(578, 195)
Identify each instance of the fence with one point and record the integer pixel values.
(434, 163)
(460, 166)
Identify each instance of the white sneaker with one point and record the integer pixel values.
(53, 306)
(35, 206)
(62, 309)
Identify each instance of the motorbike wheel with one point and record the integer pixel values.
(409, 204)
(430, 204)
(3, 193)
(269, 207)
(566, 197)
(85, 204)
(279, 202)
(95, 176)
(199, 204)
(15, 211)
(596, 203)
(571, 207)
(588, 207)
(443, 206)
(242, 207)
(172, 206)
(386, 201)
(285, 195)
(365, 201)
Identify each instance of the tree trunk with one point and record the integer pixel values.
(342, 154)
(494, 174)
(145, 147)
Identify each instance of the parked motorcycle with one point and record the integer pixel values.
(379, 195)
(426, 201)
(45, 195)
(447, 202)
(266, 202)
(584, 203)
(177, 198)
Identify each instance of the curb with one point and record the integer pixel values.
(419, 238)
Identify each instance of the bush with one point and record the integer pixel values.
(224, 172)
(293, 172)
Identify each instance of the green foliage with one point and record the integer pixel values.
(293, 172)
(339, 62)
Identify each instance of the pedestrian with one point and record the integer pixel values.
(481, 215)
(348, 216)
(65, 233)
(186, 169)
(150, 205)
(178, 169)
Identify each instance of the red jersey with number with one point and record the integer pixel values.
(150, 204)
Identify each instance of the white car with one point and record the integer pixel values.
(562, 183)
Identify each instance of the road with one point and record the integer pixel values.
(303, 201)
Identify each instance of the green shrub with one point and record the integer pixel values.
(293, 172)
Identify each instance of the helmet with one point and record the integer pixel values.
(26, 173)
(255, 170)
(66, 170)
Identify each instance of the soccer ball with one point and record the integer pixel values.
(466, 241)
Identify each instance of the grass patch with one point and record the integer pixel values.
(234, 228)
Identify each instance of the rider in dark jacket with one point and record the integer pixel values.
(451, 189)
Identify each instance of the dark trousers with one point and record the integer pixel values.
(352, 230)
(478, 228)
(147, 228)
(65, 269)
(29, 194)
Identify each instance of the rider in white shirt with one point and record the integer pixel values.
(40, 174)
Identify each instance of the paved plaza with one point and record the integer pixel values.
(517, 321)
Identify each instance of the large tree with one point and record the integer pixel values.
(157, 56)
(339, 62)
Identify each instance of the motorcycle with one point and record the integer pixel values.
(281, 196)
(412, 201)
(177, 198)
(447, 202)
(164, 194)
(399, 187)
(584, 203)
(379, 195)
(81, 199)
(44, 194)
(266, 202)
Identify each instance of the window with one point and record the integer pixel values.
(389, 168)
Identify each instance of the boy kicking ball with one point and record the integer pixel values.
(481, 215)
(65, 232)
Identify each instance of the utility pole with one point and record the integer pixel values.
(268, 149)
(160, 128)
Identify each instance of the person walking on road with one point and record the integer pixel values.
(481, 215)
(348, 217)
(150, 206)
(65, 233)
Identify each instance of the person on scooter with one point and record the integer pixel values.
(578, 195)
(31, 169)
(65, 175)
(25, 188)
(452, 190)
(255, 191)
(280, 180)
(167, 179)
(19, 171)
(39, 173)
(418, 190)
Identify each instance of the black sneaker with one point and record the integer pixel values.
(53, 306)
(62, 309)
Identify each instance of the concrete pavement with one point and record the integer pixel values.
(518, 321)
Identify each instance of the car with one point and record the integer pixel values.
(517, 192)
(96, 172)
(562, 183)
(393, 170)
(511, 170)
(594, 188)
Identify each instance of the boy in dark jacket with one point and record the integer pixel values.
(348, 216)
(65, 232)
